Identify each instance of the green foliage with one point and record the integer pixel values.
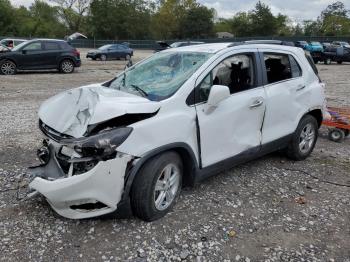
(7, 21)
(258, 22)
(119, 19)
(182, 19)
(159, 19)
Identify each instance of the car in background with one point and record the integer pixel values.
(4, 48)
(301, 44)
(164, 45)
(341, 44)
(326, 45)
(112, 51)
(11, 42)
(314, 47)
(40, 54)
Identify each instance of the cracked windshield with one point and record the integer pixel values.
(160, 76)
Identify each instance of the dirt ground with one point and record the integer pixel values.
(270, 209)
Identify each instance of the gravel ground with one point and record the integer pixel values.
(271, 209)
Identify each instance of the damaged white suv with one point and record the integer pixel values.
(172, 120)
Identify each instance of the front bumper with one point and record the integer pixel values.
(93, 193)
(92, 56)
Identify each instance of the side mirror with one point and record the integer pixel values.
(217, 94)
(24, 52)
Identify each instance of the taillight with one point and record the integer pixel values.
(76, 53)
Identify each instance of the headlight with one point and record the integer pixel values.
(102, 144)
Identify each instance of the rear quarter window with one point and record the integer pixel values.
(311, 62)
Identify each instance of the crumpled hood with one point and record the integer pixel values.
(71, 112)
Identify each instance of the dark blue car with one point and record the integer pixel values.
(109, 52)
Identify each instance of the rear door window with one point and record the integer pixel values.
(52, 46)
(278, 67)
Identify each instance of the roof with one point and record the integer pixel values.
(217, 47)
(205, 48)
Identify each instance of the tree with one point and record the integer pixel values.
(119, 19)
(334, 20)
(197, 22)
(176, 19)
(45, 20)
(7, 20)
(72, 12)
(311, 28)
(241, 24)
(263, 22)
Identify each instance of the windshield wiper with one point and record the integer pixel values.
(140, 90)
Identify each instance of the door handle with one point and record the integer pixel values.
(301, 87)
(256, 103)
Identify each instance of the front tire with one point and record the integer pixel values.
(328, 61)
(157, 186)
(67, 66)
(339, 62)
(304, 139)
(8, 67)
(103, 58)
(127, 57)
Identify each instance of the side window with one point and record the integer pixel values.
(278, 67)
(236, 72)
(295, 67)
(52, 46)
(33, 47)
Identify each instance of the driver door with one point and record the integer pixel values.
(31, 56)
(234, 126)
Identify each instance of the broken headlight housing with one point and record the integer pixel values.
(100, 145)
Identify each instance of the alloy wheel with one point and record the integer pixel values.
(166, 187)
(8, 68)
(67, 66)
(307, 138)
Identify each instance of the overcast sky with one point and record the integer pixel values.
(298, 10)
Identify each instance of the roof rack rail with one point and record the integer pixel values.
(262, 42)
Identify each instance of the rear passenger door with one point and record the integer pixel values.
(52, 51)
(285, 98)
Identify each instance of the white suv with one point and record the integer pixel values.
(171, 120)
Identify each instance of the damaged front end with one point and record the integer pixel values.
(81, 177)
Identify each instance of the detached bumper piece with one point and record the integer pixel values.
(79, 195)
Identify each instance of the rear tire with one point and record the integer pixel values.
(304, 139)
(127, 57)
(157, 186)
(7, 67)
(66, 66)
(339, 62)
(328, 61)
(336, 135)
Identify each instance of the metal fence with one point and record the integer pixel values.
(152, 44)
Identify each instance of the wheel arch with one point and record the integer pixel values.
(65, 58)
(317, 114)
(8, 59)
(186, 154)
